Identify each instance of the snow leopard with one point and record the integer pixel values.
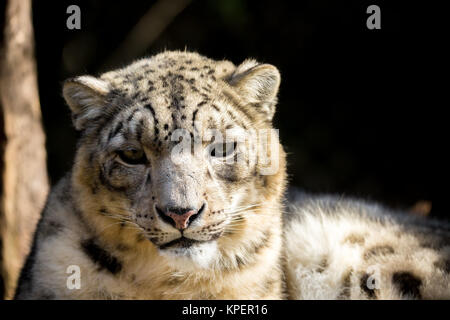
(137, 217)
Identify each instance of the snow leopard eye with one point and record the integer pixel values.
(223, 150)
(132, 156)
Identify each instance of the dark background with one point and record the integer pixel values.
(361, 112)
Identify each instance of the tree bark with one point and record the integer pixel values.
(23, 179)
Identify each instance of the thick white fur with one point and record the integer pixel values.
(200, 256)
(319, 255)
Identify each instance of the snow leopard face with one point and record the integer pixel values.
(178, 149)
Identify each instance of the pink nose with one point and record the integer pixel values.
(181, 219)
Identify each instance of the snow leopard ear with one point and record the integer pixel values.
(257, 84)
(86, 97)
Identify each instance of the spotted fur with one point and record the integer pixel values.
(105, 216)
(372, 252)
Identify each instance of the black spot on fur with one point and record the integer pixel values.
(115, 92)
(140, 238)
(407, 284)
(239, 261)
(174, 281)
(346, 285)
(230, 177)
(323, 265)
(115, 131)
(101, 257)
(194, 115)
(144, 99)
(262, 243)
(365, 283)
(176, 103)
(355, 239)
(148, 179)
(149, 107)
(378, 251)
(443, 264)
(50, 228)
(130, 117)
(250, 251)
(269, 283)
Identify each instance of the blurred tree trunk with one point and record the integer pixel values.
(23, 171)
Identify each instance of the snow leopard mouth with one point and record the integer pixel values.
(182, 242)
